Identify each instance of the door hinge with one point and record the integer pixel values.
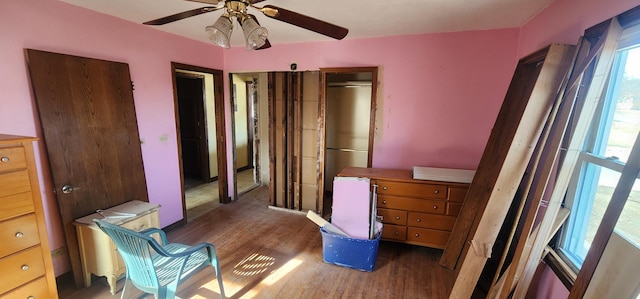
(133, 87)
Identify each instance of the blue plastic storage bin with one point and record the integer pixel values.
(348, 252)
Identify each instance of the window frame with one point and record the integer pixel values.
(626, 20)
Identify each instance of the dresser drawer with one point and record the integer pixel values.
(18, 234)
(37, 289)
(17, 204)
(12, 158)
(412, 204)
(139, 224)
(430, 237)
(394, 232)
(14, 182)
(425, 220)
(393, 216)
(412, 189)
(20, 268)
(457, 194)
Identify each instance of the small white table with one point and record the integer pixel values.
(97, 252)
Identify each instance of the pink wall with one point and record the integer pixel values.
(58, 27)
(439, 96)
(564, 21)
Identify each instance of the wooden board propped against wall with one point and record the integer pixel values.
(535, 85)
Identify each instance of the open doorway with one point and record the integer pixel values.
(349, 99)
(200, 122)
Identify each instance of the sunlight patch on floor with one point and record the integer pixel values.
(253, 265)
(273, 277)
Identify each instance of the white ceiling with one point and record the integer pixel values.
(363, 18)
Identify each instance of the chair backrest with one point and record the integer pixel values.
(136, 251)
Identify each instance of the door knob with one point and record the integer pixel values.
(66, 189)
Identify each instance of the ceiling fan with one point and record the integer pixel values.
(255, 35)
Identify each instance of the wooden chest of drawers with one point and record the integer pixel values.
(414, 211)
(98, 253)
(25, 258)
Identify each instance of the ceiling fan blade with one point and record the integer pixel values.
(182, 15)
(306, 22)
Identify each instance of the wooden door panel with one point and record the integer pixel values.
(89, 123)
(195, 155)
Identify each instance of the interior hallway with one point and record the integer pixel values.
(203, 198)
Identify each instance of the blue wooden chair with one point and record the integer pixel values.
(156, 268)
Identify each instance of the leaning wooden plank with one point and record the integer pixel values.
(494, 155)
(528, 103)
(324, 223)
(545, 163)
(606, 48)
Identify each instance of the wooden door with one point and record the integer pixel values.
(193, 134)
(89, 123)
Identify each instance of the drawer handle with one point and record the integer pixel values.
(4, 159)
(397, 233)
(436, 191)
(397, 217)
(418, 220)
(417, 235)
(24, 267)
(31, 297)
(435, 207)
(384, 202)
(385, 188)
(19, 235)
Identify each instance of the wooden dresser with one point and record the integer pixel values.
(25, 258)
(98, 253)
(419, 212)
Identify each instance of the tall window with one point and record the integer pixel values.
(613, 132)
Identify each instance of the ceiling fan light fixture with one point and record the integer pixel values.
(254, 34)
(220, 31)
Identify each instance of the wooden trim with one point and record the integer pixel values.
(220, 130)
(321, 142)
(272, 138)
(234, 154)
(372, 116)
(566, 275)
(630, 17)
(289, 101)
(297, 137)
(175, 66)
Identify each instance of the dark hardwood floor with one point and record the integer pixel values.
(269, 253)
